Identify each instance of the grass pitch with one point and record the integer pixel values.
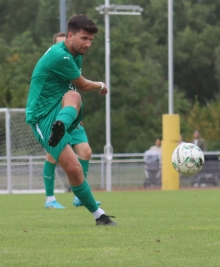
(155, 228)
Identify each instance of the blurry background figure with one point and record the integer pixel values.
(207, 174)
(198, 140)
(59, 37)
(157, 146)
(152, 169)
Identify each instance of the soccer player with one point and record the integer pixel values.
(53, 110)
(81, 147)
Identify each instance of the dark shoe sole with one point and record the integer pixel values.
(57, 132)
(105, 220)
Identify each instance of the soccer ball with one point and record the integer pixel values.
(187, 159)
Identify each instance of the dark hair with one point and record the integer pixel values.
(81, 21)
(59, 34)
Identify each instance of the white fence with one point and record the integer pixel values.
(22, 159)
(25, 173)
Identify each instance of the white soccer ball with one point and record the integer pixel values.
(187, 159)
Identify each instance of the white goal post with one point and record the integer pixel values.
(22, 159)
(21, 156)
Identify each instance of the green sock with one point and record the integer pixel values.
(48, 175)
(67, 115)
(85, 166)
(84, 194)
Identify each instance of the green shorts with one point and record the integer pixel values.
(42, 131)
(78, 136)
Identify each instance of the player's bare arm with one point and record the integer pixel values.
(87, 85)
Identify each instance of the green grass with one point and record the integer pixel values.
(155, 228)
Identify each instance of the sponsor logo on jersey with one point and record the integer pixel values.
(67, 57)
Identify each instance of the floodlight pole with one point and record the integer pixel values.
(170, 54)
(107, 10)
(63, 15)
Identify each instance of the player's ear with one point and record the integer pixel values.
(69, 35)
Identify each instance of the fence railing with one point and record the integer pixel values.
(128, 172)
(22, 159)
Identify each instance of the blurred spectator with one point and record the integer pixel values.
(198, 140)
(154, 152)
(59, 37)
(152, 159)
(157, 146)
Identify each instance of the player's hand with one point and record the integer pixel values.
(103, 91)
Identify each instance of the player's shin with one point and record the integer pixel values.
(48, 176)
(85, 166)
(83, 192)
(67, 115)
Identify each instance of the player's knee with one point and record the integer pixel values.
(76, 170)
(50, 158)
(85, 153)
(73, 96)
(88, 153)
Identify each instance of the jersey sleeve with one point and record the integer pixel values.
(65, 67)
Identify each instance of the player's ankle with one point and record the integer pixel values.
(98, 213)
(50, 198)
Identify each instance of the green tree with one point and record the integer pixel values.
(139, 94)
(206, 119)
(17, 66)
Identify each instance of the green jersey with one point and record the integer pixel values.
(51, 80)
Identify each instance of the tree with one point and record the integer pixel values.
(17, 65)
(206, 119)
(138, 63)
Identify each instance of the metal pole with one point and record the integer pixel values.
(170, 54)
(108, 147)
(63, 15)
(30, 172)
(8, 149)
(102, 172)
(108, 10)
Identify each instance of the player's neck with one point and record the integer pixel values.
(70, 49)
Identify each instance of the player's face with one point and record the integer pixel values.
(196, 135)
(79, 42)
(157, 142)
